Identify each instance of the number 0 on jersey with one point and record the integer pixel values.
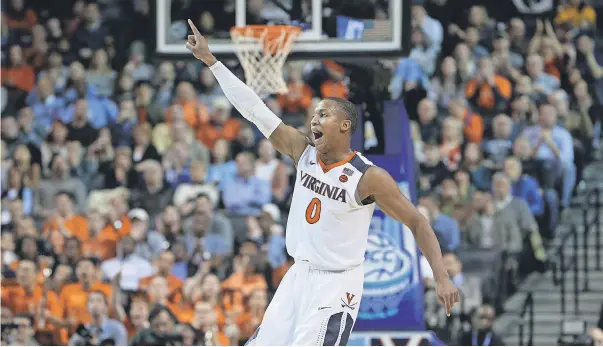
(313, 211)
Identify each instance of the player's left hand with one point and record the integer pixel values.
(447, 293)
(198, 45)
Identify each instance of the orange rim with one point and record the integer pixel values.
(272, 36)
(271, 31)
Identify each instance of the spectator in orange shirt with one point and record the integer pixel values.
(473, 126)
(164, 262)
(299, 96)
(16, 16)
(101, 327)
(577, 13)
(65, 223)
(220, 125)
(244, 279)
(211, 294)
(117, 226)
(98, 246)
(28, 296)
(74, 297)
(194, 112)
(334, 86)
(30, 248)
(158, 294)
(206, 321)
(488, 92)
(255, 307)
(18, 73)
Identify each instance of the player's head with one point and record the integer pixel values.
(333, 122)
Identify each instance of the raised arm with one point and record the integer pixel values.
(377, 183)
(285, 139)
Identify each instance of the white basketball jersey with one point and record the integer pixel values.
(327, 225)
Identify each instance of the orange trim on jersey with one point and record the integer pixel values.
(326, 167)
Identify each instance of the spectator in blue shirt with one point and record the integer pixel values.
(554, 148)
(34, 133)
(209, 229)
(177, 162)
(445, 227)
(46, 106)
(408, 75)
(543, 82)
(102, 328)
(222, 168)
(523, 186)
(527, 188)
(266, 231)
(101, 111)
(246, 194)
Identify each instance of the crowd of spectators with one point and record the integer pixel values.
(506, 115)
(137, 208)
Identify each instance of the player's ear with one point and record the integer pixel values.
(346, 125)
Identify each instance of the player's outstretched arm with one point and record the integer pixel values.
(285, 139)
(379, 184)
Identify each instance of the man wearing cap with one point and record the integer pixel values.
(149, 243)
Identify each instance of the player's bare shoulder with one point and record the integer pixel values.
(373, 182)
(290, 141)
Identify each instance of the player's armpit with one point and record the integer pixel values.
(289, 141)
(380, 185)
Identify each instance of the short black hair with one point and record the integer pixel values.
(349, 109)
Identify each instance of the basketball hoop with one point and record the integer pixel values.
(262, 50)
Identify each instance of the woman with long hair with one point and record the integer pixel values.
(447, 84)
(15, 189)
(100, 74)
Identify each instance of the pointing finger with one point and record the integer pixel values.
(447, 304)
(194, 28)
(441, 299)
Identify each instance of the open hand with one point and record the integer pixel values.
(447, 293)
(197, 44)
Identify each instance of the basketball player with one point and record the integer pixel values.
(335, 194)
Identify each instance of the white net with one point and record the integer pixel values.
(262, 51)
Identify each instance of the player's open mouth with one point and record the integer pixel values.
(317, 135)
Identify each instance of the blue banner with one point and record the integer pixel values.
(393, 290)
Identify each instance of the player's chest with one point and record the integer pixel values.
(333, 186)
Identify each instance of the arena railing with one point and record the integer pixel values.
(560, 263)
(528, 308)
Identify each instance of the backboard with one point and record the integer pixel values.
(335, 29)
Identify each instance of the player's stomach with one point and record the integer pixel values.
(337, 242)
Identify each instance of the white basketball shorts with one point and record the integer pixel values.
(312, 307)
